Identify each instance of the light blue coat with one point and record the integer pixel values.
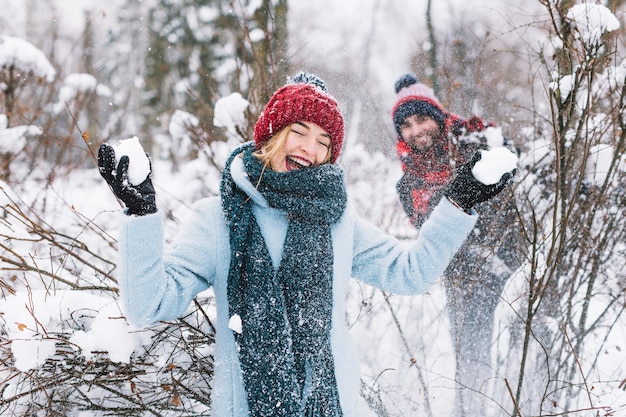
(156, 287)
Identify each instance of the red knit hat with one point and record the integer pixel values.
(414, 98)
(300, 102)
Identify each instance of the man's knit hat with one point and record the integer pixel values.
(413, 98)
(305, 98)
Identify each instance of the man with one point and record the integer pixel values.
(431, 144)
(427, 146)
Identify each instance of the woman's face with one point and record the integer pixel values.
(419, 132)
(307, 145)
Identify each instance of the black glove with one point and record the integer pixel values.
(139, 199)
(466, 191)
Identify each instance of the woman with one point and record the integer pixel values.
(278, 246)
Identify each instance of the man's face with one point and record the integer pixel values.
(419, 132)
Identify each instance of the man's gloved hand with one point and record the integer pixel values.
(139, 199)
(466, 191)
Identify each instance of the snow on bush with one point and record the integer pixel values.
(24, 56)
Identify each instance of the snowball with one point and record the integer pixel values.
(234, 324)
(139, 164)
(493, 164)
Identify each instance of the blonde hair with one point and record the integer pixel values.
(274, 144)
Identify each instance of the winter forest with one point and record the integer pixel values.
(532, 321)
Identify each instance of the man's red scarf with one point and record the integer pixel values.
(431, 166)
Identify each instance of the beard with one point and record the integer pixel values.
(420, 147)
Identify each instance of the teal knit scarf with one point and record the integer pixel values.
(284, 347)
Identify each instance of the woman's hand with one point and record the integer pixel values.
(139, 199)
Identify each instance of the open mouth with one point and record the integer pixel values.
(296, 162)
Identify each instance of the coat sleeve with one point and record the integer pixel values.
(411, 267)
(160, 286)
